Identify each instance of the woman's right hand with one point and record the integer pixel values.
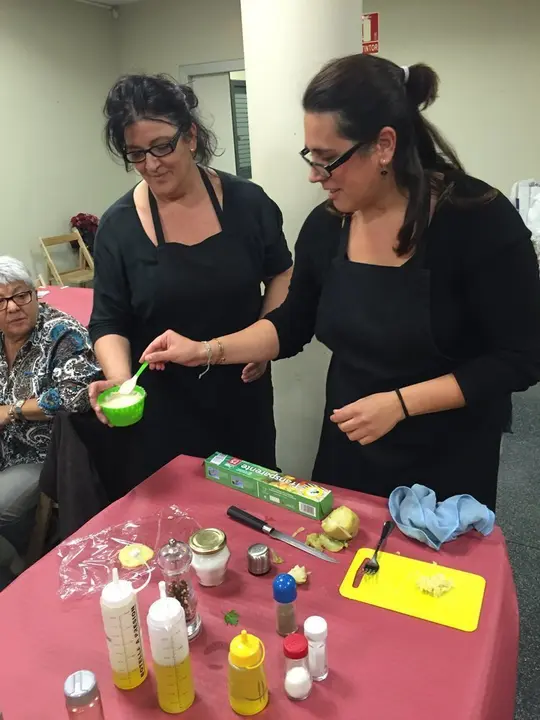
(172, 347)
(94, 391)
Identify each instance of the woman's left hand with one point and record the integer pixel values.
(369, 418)
(254, 371)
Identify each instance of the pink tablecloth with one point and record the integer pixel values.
(73, 300)
(384, 666)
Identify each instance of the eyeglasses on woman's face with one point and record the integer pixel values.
(20, 299)
(158, 150)
(325, 170)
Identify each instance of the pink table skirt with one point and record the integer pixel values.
(73, 300)
(383, 666)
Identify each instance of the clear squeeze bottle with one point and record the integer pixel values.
(170, 653)
(120, 614)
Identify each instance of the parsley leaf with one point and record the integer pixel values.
(231, 618)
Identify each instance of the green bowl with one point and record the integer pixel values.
(123, 417)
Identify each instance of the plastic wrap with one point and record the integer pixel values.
(87, 561)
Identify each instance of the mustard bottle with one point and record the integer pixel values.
(248, 690)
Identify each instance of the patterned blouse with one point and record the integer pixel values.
(55, 366)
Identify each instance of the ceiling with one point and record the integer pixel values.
(110, 3)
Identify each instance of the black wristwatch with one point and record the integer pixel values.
(17, 411)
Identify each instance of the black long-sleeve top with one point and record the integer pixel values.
(485, 291)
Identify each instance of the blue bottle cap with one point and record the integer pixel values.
(284, 587)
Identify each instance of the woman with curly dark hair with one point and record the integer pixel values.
(187, 249)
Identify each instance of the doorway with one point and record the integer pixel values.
(221, 90)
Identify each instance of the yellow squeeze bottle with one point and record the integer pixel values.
(120, 614)
(248, 690)
(167, 631)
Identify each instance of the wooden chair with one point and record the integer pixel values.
(83, 273)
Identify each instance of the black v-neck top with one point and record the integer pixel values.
(484, 295)
(124, 295)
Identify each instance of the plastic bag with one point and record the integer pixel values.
(87, 561)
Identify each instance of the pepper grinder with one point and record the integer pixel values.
(175, 559)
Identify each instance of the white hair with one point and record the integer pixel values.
(13, 270)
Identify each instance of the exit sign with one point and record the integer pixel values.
(370, 33)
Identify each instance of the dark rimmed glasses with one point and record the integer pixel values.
(325, 171)
(160, 150)
(20, 299)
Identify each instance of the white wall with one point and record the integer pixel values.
(160, 35)
(214, 94)
(487, 53)
(57, 61)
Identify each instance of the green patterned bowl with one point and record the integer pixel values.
(122, 417)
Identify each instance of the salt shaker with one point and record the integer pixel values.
(298, 682)
(316, 632)
(175, 559)
(82, 696)
(210, 556)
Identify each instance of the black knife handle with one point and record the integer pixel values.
(244, 517)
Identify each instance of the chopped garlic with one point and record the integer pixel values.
(435, 585)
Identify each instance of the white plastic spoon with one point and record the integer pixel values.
(127, 387)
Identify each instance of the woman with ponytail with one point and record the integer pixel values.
(420, 279)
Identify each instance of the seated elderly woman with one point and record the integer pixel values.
(46, 364)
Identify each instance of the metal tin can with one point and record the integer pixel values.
(259, 561)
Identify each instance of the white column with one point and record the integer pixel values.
(285, 44)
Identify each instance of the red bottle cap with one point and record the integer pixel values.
(295, 646)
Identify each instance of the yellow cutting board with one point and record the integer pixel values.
(394, 588)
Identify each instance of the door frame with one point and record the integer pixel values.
(186, 73)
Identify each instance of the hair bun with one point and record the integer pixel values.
(189, 95)
(423, 85)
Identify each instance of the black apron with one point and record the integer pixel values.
(204, 291)
(377, 322)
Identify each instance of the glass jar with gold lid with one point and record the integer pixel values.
(210, 556)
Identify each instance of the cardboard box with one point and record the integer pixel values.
(300, 496)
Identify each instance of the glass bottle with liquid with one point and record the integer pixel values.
(248, 689)
(120, 614)
(170, 653)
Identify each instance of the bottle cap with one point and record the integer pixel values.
(316, 628)
(175, 556)
(166, 611)
(284, 587)
(81, 689)
(295, 646)
(246, 650)
(118, 592)
(207, 541)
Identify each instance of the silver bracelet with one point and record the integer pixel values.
(208, 349)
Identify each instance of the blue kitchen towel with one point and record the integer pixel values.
(417, 514)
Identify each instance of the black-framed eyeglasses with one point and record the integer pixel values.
(20, 299)
(325, 171)
(160, 150)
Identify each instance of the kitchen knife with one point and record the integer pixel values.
(257, 524)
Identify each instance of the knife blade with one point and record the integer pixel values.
(256, 523)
